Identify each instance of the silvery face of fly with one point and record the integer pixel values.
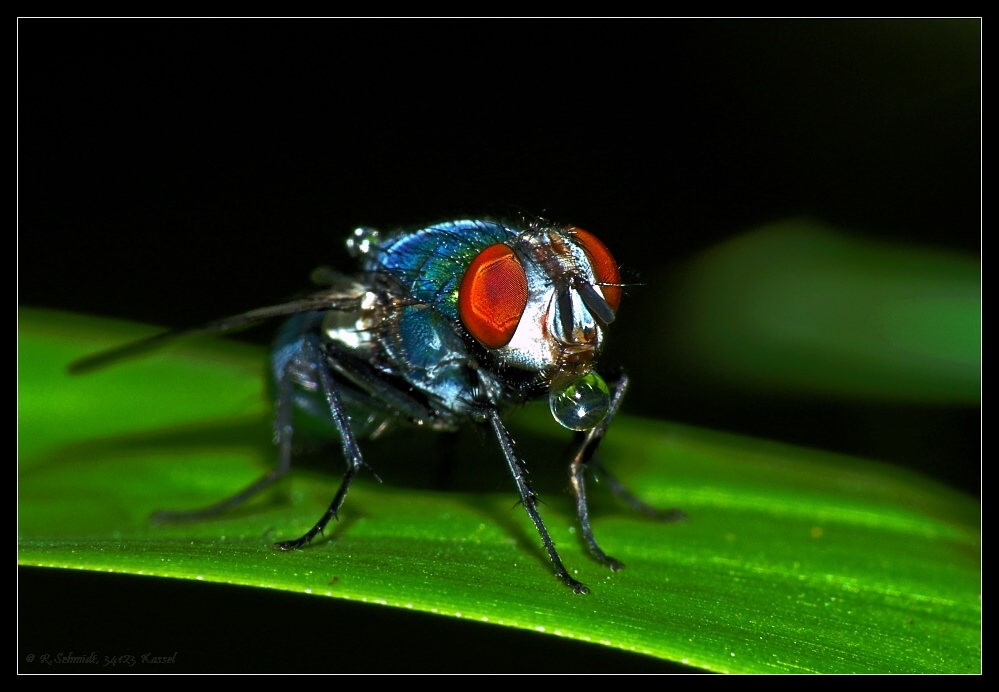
(444, 326)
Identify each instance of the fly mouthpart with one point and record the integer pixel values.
(576, 353)
(580, 312)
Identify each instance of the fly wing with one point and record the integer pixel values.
(323, 300)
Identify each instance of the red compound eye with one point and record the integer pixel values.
(492, 296)
(604, 266)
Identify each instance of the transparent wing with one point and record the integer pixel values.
(330, 299)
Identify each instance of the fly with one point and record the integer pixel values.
(444, 326)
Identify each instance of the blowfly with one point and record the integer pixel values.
(443, 326)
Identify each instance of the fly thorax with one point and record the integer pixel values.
(354, 329)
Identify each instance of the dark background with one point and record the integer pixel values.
(174, 171)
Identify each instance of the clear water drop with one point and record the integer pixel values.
(581, 403)
(362, 240)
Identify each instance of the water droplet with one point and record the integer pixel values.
(580, 404)
(361, 240)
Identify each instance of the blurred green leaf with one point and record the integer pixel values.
(800, 307)
(791, 560)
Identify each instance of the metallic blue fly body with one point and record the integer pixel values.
(444, 326)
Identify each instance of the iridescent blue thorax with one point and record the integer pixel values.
(429, 263)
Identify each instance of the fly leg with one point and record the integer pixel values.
(283, 435)
(583, 458)
(530, 500)
(628, 497)
(311, 357)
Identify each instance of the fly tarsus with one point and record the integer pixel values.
(629, 498)
(583, 512)
(330, 514)
(292, 545)
(576, 586)
(529, 499)
(166, 516)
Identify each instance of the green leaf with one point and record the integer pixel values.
(791, 560)
(801, 307)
